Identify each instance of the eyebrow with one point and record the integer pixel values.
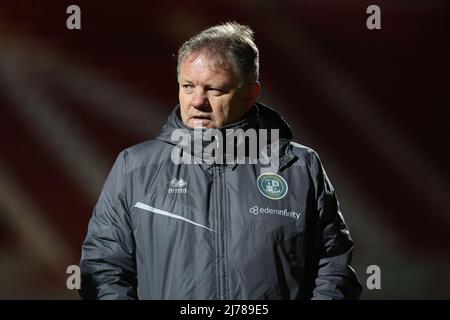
(207, 85)
(224, 87)
(184, 80)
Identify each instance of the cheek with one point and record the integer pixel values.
(184, 104)
(237, 99)
(218, 107)
(181, 98)
(227, 105)
(184, 99)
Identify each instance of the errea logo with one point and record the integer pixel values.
(255, 210)
(177, 186)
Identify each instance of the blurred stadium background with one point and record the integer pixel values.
(373, 104)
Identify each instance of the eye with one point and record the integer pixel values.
(215, 91)
(188, 86)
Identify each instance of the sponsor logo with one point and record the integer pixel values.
(255, 210)
(177, 186)
(272, 186)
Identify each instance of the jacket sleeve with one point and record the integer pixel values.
(335, 278)
(108, 268)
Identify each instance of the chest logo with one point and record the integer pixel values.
(272, 186)
(177, 186)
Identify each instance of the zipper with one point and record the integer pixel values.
(220, 234)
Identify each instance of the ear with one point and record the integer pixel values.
(252, 94)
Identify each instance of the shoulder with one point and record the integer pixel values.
(307, 156)
(145, 153)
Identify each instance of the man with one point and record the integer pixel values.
(166, 227)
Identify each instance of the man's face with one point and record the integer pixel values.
(209, 93)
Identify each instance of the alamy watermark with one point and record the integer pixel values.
(73, 281)
(230, 146)
(73, 22)
(373, 22)
(374, 279)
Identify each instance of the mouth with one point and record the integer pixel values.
(200, 121)
(202, 117)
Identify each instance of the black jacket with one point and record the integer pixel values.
(162, 230)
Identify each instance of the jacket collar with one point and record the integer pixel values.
(260, 116)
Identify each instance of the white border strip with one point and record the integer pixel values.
(143, 206)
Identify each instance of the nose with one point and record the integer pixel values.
(199, 98)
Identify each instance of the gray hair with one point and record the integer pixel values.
(229, 40)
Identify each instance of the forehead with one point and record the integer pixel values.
(203, 67)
